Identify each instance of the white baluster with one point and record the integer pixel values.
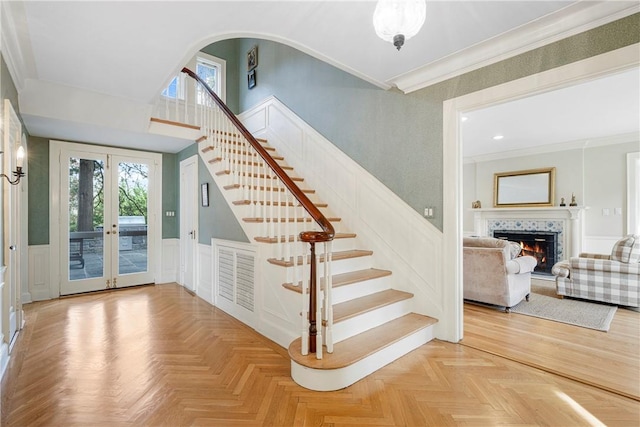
(287, 225)
(186, 103)
(328, 295)
(279, 224)
(318, 309)
(176, 106)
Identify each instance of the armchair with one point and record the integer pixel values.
(613, 279)
(494, 273)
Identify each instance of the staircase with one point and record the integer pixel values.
(363, 323)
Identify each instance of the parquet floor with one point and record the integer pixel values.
(609, 360)
(158, 356)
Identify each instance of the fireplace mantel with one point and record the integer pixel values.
(551, 212)
(567, 218)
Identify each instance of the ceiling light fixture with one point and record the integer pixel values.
(396, 21)
(498, 137)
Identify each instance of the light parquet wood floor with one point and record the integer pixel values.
(610, 360)
(159, 356)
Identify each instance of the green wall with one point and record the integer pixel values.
(38, 162)
(170, 196)
(217, 219)
(396, 137)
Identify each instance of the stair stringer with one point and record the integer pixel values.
(402, 241)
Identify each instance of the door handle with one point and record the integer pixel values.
(13, 247)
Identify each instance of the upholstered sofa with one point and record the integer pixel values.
(494, 273)
(613, 279)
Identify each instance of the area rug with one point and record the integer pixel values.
(574, 312)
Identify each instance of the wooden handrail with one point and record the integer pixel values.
(327, 234)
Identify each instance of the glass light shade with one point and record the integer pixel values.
(20, 157)
(393, 18)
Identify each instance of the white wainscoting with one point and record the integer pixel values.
(38, 276)
(4, 347)
(204, 281)
(170, 261)
(402, 240)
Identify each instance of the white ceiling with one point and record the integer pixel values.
(91, 71)
(602, 110)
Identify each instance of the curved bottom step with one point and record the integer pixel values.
(359, 356)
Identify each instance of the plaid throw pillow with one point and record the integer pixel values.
(627, 250)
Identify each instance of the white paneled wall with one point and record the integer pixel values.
(401, 239)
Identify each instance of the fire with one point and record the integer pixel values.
(536, 250)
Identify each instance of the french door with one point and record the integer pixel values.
(107, 237)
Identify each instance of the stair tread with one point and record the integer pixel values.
(346, 278)
(268, 203)
(356, 348)
(259, 164)
(335, 256)
(261, 188)
(174, 123)
(254, 175)
(292, 238)
(349, 309)
(331, 219)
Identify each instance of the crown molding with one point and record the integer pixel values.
(571, 20)
(16, 48)
(553, 148)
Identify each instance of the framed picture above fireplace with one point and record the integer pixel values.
(534, 187)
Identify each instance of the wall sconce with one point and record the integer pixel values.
(19, 163)
(396, 21)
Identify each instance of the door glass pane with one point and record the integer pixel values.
(86, 218)
(133, 186)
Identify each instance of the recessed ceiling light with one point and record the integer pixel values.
(464, 118)
(498, 137)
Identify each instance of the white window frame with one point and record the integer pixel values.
(220, 64)
(180, 88)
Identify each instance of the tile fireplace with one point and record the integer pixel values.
(541, 245)
(564, 224)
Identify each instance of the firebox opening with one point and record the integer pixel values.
(542, 245)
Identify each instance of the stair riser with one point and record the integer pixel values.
(338, 244)
(342, 266)
(360, 289)
(239, 194)
(266, 210)
(254, 230)
(358, 324)
(253, 164)
(336, 379)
